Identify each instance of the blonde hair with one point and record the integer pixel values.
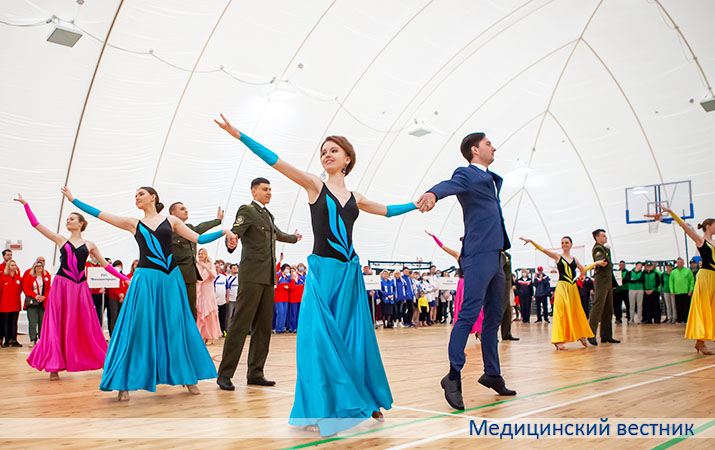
(7, 267)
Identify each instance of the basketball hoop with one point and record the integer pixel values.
(653, 227)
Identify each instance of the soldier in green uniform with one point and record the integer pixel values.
(603, 280)
(256, 280)
(185, 250)
(506, 318)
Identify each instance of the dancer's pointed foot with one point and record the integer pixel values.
(583, 342)
(497, 383)
(701, 348)
(193, 389)
(123, 396)
(377, 415)
(313, 428)
(592, 341)
(560, 346)
(54, 376)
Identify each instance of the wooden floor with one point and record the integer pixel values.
(655, 373)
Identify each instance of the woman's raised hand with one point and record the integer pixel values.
(67, 193)
(19, 199)
(526, 241)
(230, 129)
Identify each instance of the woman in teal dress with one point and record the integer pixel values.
(155, 339)
(341, 380)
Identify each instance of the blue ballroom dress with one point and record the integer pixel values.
(341, 379)
(155, 339)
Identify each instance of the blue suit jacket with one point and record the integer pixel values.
(484, 229)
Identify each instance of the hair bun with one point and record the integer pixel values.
(159, 206)
(700, 226)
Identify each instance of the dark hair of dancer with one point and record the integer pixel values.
(283, 267)
(117, 263)
(159, 205)
(343, 143)
(705, 223)
(259, 180)
(5, 251)
(569, 238)
(173, 206)
(471, 140)
(598, 232)
(81, 219)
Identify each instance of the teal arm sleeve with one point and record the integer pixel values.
(209, 237)
(91, 210)
(396, 210)
(262, 152)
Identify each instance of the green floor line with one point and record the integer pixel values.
(333, 439)
(674, 441)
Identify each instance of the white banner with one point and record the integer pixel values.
(372, 282)
(98, 278)
(448, 283)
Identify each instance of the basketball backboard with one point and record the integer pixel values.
(642, 200)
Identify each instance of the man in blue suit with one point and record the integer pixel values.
(477, 190)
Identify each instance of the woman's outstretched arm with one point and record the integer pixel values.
(125, 223)
(307, 181)
(49, 234)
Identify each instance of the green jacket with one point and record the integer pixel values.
(681, 281)
(602, 274)
(666, 283)
(624, 283)
(651, 280)
(185, 250)
(255, 227)
(635, 280)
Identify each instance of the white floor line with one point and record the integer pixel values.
(547, 408)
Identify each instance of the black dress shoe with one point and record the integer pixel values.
(496, 383)
(511, 338)
(592, 341)
(453, 392)
(610, 341)
(225, 384)
(261, 382)
(16, 344)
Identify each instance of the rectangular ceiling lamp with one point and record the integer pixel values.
(63, 36)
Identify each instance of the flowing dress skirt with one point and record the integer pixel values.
(71, 338)
(701, 318)
(569, 322)
(458, 299)
(341, 379)
(155, 339)
(207, 311)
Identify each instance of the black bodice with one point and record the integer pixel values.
(72, 262)
(155, 251)
(567, 271)
(707, 253)
(333, 226)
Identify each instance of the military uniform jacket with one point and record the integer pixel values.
(255, 227)
(185, 250)
(605, 273)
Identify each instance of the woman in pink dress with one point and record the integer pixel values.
(206, 309)
(71, 338)
(477, 328)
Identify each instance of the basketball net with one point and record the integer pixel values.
(653, 227)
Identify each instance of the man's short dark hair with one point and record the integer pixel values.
(233, 265)
(469, 141)
(598, 232)
(5, 251)
(259, 180)
(173, 207)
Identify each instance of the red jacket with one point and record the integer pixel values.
(113, 293)
(283, 289)
(29, 287)
(10, 289)
(296, 292)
